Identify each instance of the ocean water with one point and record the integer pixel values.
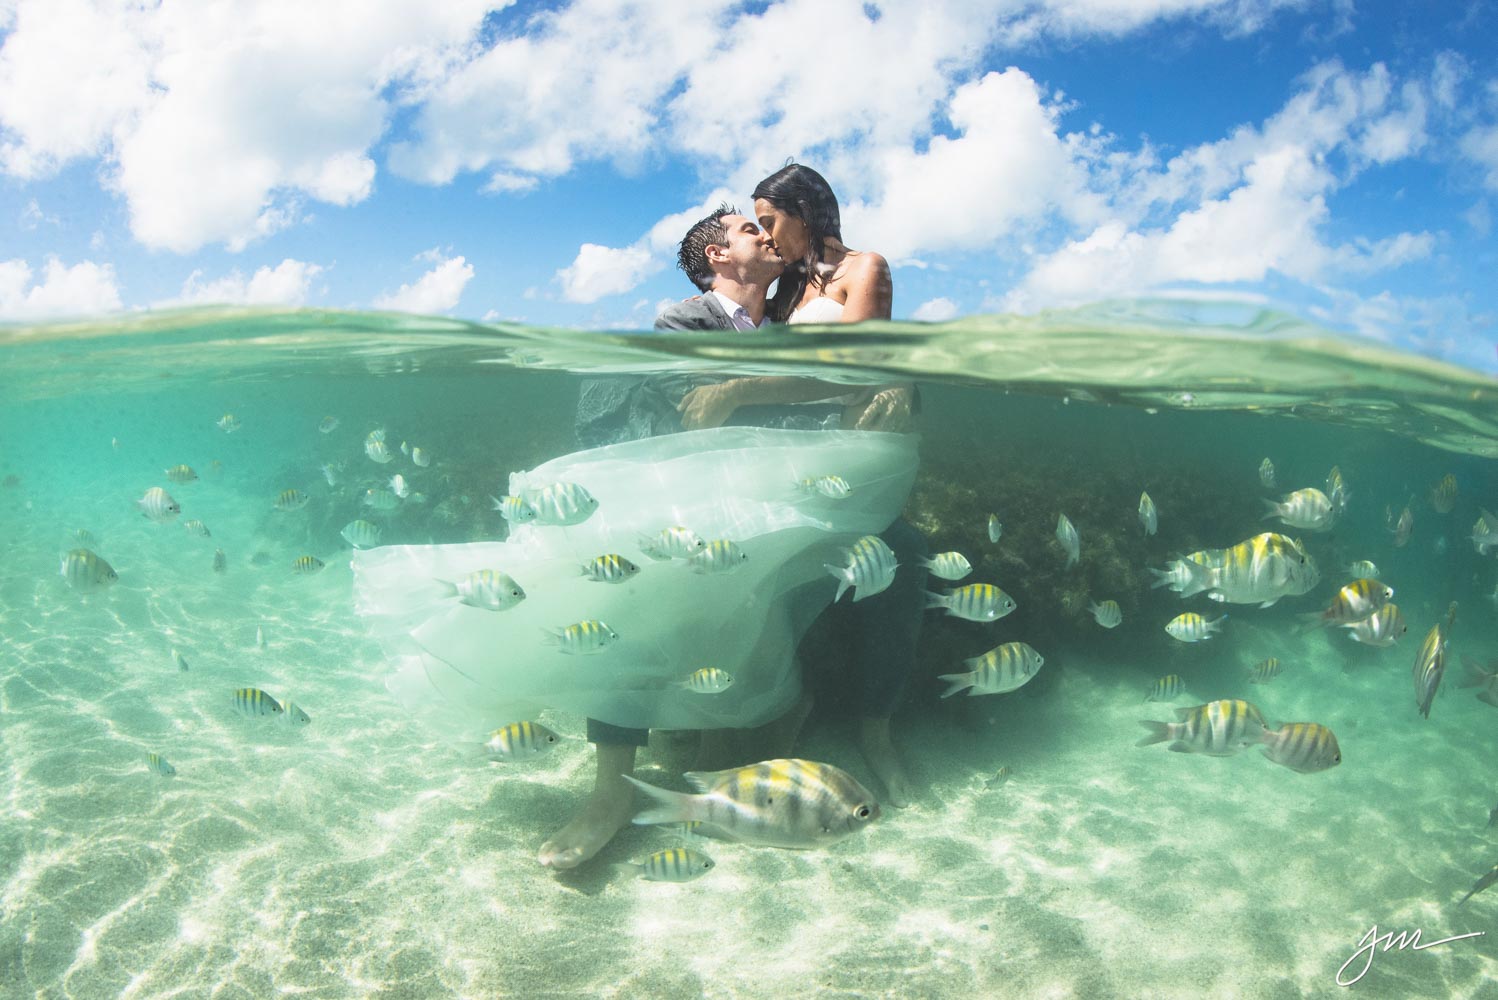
(372, 853)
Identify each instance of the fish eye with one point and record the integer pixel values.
(863, 812)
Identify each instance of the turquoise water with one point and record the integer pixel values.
(371, 853)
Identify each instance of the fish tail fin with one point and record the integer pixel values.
(1199, 578)
(1162, 578)
(844, 579)
(551, 636)
(663, 806)
(1159, 732)
(1273, 508)
(957, 682)
(936, 601)
(628, 868)
(449, 589)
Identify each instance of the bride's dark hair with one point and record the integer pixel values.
(802, 192)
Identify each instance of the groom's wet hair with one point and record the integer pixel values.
(707, 232)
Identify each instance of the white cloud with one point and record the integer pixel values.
(1480, 145)
(84, 289)
(935, 311)
(436, 291)
(286, 284)
(599, 271)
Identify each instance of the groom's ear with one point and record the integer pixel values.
(715, 251)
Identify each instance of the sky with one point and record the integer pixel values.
(539, 162)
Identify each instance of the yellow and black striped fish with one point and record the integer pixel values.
(1217, 729)
(675, 864)
(85, 570)
(181, 474)
(777, 803)
(717, 556)
(519, 741)
(1306, 747)
(255, 702)
(1168, 687)
(1430, 663)
(1265, 671)
(159, 764)
(290, 500)
(977, 602)
(1357, 601)
(581, 637)
(1443, 494)
(1004, 668)
(708, 680)
(307, 564)
(611, 568)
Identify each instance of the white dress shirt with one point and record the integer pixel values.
(737, 314)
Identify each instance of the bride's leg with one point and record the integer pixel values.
(607, 810)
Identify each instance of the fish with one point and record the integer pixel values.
(290, 500)
(378, 434)
(611, 568)
(1309, 508)
(380, 499)
(420, 457)
(1167, 687)
(791, 803)
(1485, 678)
(1264, 671)
(1266, 474)
(85, 537)
(179, 660)
(672, 543)
(1007, 667)
(361, 534)
(1485, 532)
(260, 637)
(1402, 527)
(1361, 568)
(1192, 627)
(1000, 778)
(1260, 570)
(181, 474)
(1148, 516)
(708, 680)
(831, 487)
(1382, 628)
(514, 509)
(398, 486)
(674, 864)
(1107, 614)
(1443, 494)
(228, 423)
(158, 505)
(1354, 602)
(1336, 491)
(328, 425)
(869, 567)
(255, 702)
(305, 565)
(1066, 534)
(562, 504)
(405, 449)
(488, 589)
(1430, 663)
(1218, 728)
(1306, 747)
(86, 570)
(1487, 880)
(220, 561)
(520, 741)
(330, 473)
(718, 556)
(995, 528)
(588, 636)
(159, 764)
(293, 716)
(196, 527)
(378, 452)
(977, 602)
(948, 565)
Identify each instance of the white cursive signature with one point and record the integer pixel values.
(1401, 940)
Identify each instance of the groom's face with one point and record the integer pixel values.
(749, 251)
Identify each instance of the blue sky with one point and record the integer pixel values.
(537, 162)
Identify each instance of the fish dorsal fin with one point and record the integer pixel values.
(706, 781)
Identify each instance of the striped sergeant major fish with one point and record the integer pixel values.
(869, 568)
(672, 543)
(1149, 517)
(718, 556)
(1382, 628)
(1168, 687)
(947, 565)
(588, 636)
(1443, 494)
(519, 741)
(1107, 614)
(85, 570)
(1002, 669)
(1066, 534)
(675, 864)
(1309, 508)
(307, 564)
(1192, 627)
(831, 487)
(485, 588)
(777, 803)
(159, 764)
(1306, 747)
(158, 505)
(1354, 602)
(977, 602)
(1264, 671)
(609, 568)
(514, 509)
(1430, 662)
(290, 500)
(1217, 729)
(181, 474)
(255, 702)
(1260, 570)
(708, 680)
(561, 504)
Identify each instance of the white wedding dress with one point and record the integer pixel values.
(473, 669)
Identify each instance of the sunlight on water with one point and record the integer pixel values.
(376, 852)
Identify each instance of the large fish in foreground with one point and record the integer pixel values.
(1259, 571)
(777, 803)
(1430, 663)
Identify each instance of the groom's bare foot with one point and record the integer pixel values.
(607, 811)
(879, 751)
